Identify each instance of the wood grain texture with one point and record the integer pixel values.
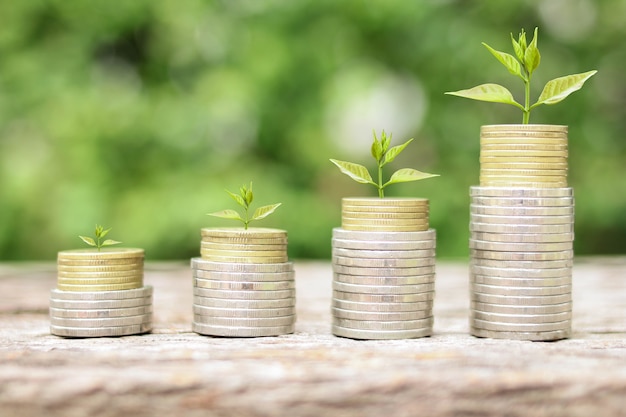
(173, 371)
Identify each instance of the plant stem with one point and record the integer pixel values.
(526, 117)
(381, 193)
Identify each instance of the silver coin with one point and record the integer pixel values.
(521, 318)
(521, 220)
(202, 264)
(381, 307)
(145, 291)
(521, 211)
(245, 322)
(523, 237)
(521, 273)
(521, 228)
(383, 298)
(244, 276)
(244, 295)
(520, 300)
(99, 313)
(101, 322)
(66, 331)
(420, 249)
(243, 304)
(523, 309)
(524, 201)
(517, 264)
(518, 335)
(416, 254)
(244, 286)
(383, 289)
(383, 272)
(520, 291)
(530, 327)
(477, 191)
(227, 331)
(100, 304)
(369, 280)
(522, 256)
(243, 312)
(384, 325)
(520, 247)
(370, 316)
(521, 282)
(382, 263)
(339, 233)
(382, 254)
(380, 334)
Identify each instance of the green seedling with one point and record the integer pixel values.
(383, 155)
(522, 65)
(100, 233)
(244, 199)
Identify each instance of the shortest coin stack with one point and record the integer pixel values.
(383, 284)
(100, 294)
(244, 285)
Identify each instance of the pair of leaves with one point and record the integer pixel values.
(361, 175)
(381, 151)
(259, 213)
(100, 233)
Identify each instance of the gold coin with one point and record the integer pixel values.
(523, 159)
(244, 259)
(246, 253)
(241, 247)
(522, 153)
(90, 288)
(244, 241)
(521, 147)
(385, 209)
(531, 178)
(383, 222)
(101, 262)
(368, 228)
(100, 281)
(111, 274)
(524, 129)
(100, 268)
(235, 232)
(524, 172)
(382, 215)
(106, 253)
(505, 141)
(524, 166)
(384, 202)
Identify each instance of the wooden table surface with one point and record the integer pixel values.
(174, 372)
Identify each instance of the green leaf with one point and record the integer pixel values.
(507, 60)
(226, 214)
(385, 140)
(237, 198)
(408, 175)
(488, 92)
(377, 149)
(103, 233)
(522, 41)
(263, 212)
(558, 89)
(532, 57)
(355, 171)
(395, 151)
(88, 240)
(519, 52)
(110, 242)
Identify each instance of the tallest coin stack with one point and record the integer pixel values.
(521, 235)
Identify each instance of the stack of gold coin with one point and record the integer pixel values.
(383, 284)
(244, 285)
(384, 214)
(521, 246)
(100, 293)
(523, 156)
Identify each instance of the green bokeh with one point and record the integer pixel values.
(138, 114)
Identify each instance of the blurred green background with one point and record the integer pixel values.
(138, 114)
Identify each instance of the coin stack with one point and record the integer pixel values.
(100, 294)
(521, 235)
(383, 273)
(244, 285)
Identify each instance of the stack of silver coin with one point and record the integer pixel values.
(383, 284)
(521, 244)
(244, 285)
(100, 294)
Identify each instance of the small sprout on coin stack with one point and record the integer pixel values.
(383, 155)
(244, 199)
(522, 65)
(100, 233)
